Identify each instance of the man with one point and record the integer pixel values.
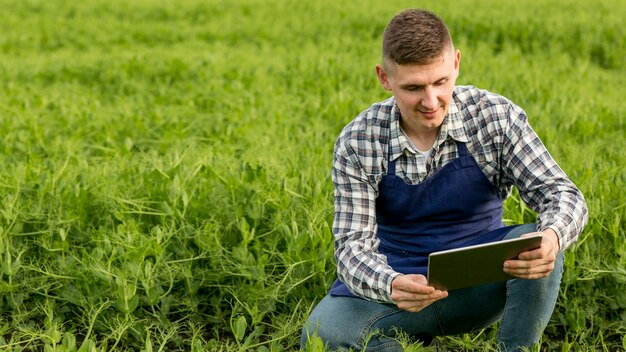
(428, 170)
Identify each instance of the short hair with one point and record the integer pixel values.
(415, 37)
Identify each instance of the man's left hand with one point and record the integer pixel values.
(536, 263)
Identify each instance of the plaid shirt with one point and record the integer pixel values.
(497, 135)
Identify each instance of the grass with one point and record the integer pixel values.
(165, 168)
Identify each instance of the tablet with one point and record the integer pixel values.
(476, 265)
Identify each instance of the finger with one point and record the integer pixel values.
(546, 251)
(530, 255)
(524, 266)
(549, 248)
(413, 287)
(538, 254)
(529, 263)
(530, 271)
(530, 234)
(399, 296)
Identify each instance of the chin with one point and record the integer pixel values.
(435, 122)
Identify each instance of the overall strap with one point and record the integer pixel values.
(391, 165)
(462, 149)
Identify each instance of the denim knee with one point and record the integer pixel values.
(529, 306)
(344, 323)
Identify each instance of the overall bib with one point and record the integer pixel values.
(455, 207)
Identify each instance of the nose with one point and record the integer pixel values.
(429, 99)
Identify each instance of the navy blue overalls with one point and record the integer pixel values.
(455, 207)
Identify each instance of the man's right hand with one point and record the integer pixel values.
(411, 292)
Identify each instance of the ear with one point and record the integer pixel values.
(383, 77)
(457, 61)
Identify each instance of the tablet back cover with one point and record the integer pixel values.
(476, 265)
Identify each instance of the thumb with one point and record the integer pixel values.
(418, 278)
(530, 234)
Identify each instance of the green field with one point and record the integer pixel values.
(165, 166)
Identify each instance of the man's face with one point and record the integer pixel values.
(423, 92)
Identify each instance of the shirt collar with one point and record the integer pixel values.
(397, 141)
(452, 127)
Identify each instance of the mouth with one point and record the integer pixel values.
(429, 113)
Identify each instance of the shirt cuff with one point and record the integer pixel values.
(387, 285)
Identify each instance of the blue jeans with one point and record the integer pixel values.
(523, 308)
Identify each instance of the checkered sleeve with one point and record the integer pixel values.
(541, 182)
(359, 265)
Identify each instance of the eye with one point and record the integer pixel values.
(413, 88)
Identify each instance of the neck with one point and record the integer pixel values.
(422, 140)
